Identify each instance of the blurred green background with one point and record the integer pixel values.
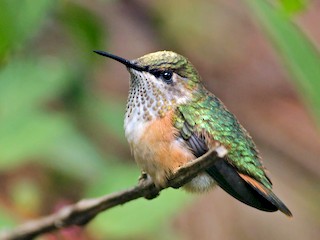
(62, 107)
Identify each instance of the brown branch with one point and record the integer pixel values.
(85, 210)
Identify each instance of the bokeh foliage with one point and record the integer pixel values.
(299, 54)
(50, 116)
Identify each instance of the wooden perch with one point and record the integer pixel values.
(85, 210)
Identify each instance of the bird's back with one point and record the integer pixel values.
(208, 116)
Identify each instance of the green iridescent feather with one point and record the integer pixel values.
(206, 113)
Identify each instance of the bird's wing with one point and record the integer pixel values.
(241, 174)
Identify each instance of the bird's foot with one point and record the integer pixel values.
(154, 191)
(143, 177)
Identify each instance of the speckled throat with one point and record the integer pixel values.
(150, 98)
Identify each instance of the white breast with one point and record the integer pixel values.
(134, 125)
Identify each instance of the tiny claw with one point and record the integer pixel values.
(143, 177)
(154, 191)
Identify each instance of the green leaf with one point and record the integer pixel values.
(74, 154)
(19, 20)
(27, 135)
(28, 84)
(6, 219)
(84, 28)
(52, 140)
(25, 195)
(117, 176)
(107, 113)
(299, 54)
(293, 6)
(25, 130)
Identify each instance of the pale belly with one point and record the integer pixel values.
(159, 152)
(161, 166)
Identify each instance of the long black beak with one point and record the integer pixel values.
(126, 62)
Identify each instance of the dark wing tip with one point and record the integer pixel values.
(266, 193)
(280, 205)
(246, 189)
(229, 180)
(285, 210)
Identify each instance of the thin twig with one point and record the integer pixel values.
(85, 210)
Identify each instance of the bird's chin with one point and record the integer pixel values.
(202, 183)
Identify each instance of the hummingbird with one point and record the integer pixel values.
(171, 119)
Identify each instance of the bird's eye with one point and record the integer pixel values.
(167, 76)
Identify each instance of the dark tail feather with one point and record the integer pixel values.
(245, 189)
(267, 193)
